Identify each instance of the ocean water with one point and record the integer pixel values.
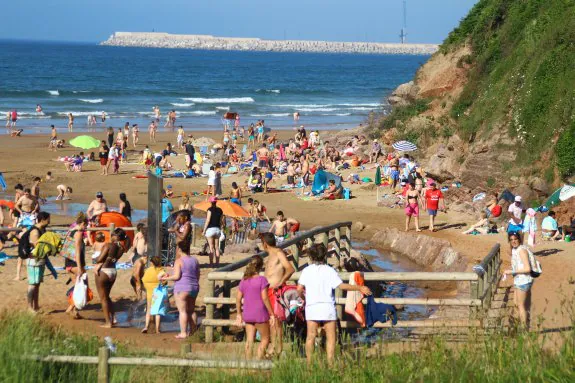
(328, 90)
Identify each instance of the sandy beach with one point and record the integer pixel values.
(26, 157)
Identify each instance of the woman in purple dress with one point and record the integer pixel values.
(257, 311)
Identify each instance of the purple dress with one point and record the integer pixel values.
(254, 308)
(189, 280)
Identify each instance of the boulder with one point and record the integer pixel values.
(443, 164)
(539, 186)
(358, 226)
(526, 193)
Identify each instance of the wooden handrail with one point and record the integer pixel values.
(487, 260)
(368, 276)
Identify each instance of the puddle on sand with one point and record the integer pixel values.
(71, 209)
(135, 317)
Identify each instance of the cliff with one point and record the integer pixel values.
(495, 106)
(207, 42)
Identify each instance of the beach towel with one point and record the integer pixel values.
(353, 305)
(49, 244)
(530, 226)
(379, 312)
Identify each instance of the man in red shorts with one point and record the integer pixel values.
(278, 270)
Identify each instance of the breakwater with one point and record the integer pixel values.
(207, 42)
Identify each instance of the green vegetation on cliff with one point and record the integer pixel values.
(522, 75)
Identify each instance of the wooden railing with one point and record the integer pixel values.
(481, 284)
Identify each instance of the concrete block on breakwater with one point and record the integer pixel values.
(207, 42)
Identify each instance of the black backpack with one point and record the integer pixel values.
(24, 246)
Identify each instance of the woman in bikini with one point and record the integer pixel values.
(182, 228)
(105, 270)
(412, 207)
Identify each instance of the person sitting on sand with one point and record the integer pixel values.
(106, 272)
(549, 227)
(16, 133)
(151, 279)
(331, 192)
(64, 192)
(482, 226)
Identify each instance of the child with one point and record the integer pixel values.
(151, 280)
(185, 205)
(211, 182)
(319, 281)
(63, 192)
(257, 311)
(98, 246)
(169, 192)
(235, 229)
(48, 176)
(236, 194)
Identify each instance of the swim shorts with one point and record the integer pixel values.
(432, 212)
(291, 180)
(35, 272)
(294, 228)
(395, 175)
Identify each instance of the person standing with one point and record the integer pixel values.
(28, 241)
(319, 281)
(211, 182)
(433, 202)
(215, 220)
(256, 311)
(125, 208)
(103, 153)
(152, 128)
(14, 118)
(190, 153)
(278, 271)
(186, 288)
(135, 135)
(167, 207)
(64, 192)
(127, 133)
(70, 122)
(151, 280)
(77, 267)
(110, 136)
(104, 118)
(35, 267)
(522, 279)
(8, 119)
(515, 213)
(106, 272)
(412, 207)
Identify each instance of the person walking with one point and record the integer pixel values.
(103, 153)
(522, 279)
(256, 311)
(152, 279)
(186, 288)
(215, 220)
(433, 202)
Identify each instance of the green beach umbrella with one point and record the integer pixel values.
(555, 198)
(378, 176)
(85, 142)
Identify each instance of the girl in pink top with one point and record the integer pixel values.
(257, 310)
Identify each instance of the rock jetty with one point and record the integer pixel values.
(207, 42)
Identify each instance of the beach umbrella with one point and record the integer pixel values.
(230, 209)
(562, 194)
(108, 218)
(378, 176)
(85, 142)
(404, 146)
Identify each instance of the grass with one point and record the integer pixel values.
(497, 358)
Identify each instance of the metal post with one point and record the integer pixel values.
(155, 186)
(103, 366)
(194, 235)
(210, 311)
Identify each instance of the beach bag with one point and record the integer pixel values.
(80, 294)
(346, 193)
(535, 265)
(68, 249)
(496, 211)
(49, 244)
(160, 303)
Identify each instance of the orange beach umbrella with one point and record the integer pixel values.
(230, 209)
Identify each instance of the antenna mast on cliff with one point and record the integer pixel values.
(403, 34)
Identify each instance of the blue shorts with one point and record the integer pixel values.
(526, 287)
(395, 175)
(432, 212)
(236, 201)
(35, 274)
(514, 228)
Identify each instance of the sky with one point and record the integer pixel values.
(428, 21)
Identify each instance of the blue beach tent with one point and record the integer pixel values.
(321, 180)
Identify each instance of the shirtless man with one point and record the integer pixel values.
(97, 206)
(152, 129)
(279, 227)
(394, 164)
(35, 267)
(27, 206)
(291, 174)
(263, 156)
(278, 270)
(53, 139)
(70, 122)
(36, 188)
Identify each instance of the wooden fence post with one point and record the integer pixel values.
(194, 235)
(347, 241)
(112, 228)
(210, 311)
(337, 236)
(295, 253)
(103, 366)
(186, 350)
(226, 293)
(474, 294)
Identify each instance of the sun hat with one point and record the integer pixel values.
(518, 198)
(213, 199)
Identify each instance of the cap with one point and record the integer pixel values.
(518, 198)
(169, 186)
(213, 199)
(432, 183)
(99, 194)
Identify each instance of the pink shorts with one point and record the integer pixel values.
(412, 210)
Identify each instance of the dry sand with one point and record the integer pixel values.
(26, 157)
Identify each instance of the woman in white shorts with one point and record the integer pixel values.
(213, 229)
(318, 282)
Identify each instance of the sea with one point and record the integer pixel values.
(330, 91)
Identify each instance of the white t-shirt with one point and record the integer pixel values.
(319, 282)
(517, 211)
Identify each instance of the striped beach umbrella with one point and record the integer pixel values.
(404, 146)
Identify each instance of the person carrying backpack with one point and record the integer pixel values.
(523, 268)
(35, 266)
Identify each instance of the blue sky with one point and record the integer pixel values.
(428, 21)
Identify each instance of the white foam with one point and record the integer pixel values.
(199, 113)
(219, 100)
(182, 105)
(361, 108)
(269, 90)
(300, 105)
(336, 114)
(53, 92)
(318, 109)
(92, 100)
(271, 115)
(368, 104)
(222, 107)
(94, 113)
(80, 91)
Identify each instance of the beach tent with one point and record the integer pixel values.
(561, 194)
(321, 180)
(107, 218)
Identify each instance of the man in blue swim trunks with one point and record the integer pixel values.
(515, 213)
(394, 165)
